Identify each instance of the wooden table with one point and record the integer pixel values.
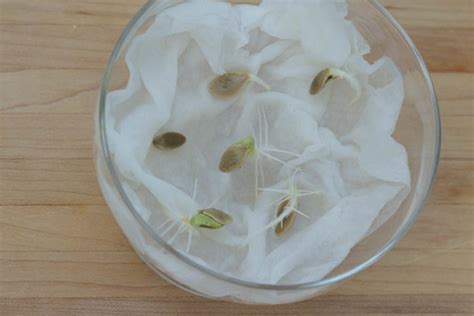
(60, 248)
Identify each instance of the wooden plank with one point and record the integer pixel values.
(442, 32)
(432, 13)
(78, 251)
(49, 181)
(327, 305)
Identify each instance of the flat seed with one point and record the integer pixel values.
(228, 84)
(287, 221)
(210, 218)
(321, 79)
(169, 141)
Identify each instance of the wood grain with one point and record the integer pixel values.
(61, 251)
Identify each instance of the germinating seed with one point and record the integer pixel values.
(228, 84)
(322, 78)
(287, 221)
(210, 218)
(169, 141)
(236, 155)
(231, 83)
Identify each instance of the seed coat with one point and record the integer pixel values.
(169, 141)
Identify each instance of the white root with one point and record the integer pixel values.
(259, 81)
(352, 81)
(190, 237)
(292, 194)
(262, 148)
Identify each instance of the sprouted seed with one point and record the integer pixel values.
(205, 218)
(236, 155)
(231, 83)
(169, 141)
(210, 218)
(321, 79)
(328, 74)
(287, 221)
(287, 204)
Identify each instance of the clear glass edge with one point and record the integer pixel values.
(284, 287)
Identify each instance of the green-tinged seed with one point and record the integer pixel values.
(210, 218)
(228, 84)
(169, 141)
(236, 155)
(234, 158)
(287, 221)
(321, 79)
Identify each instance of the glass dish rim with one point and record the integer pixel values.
(327, 281)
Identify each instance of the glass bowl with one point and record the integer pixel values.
(418, 129)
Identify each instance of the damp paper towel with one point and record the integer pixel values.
(344, 153)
